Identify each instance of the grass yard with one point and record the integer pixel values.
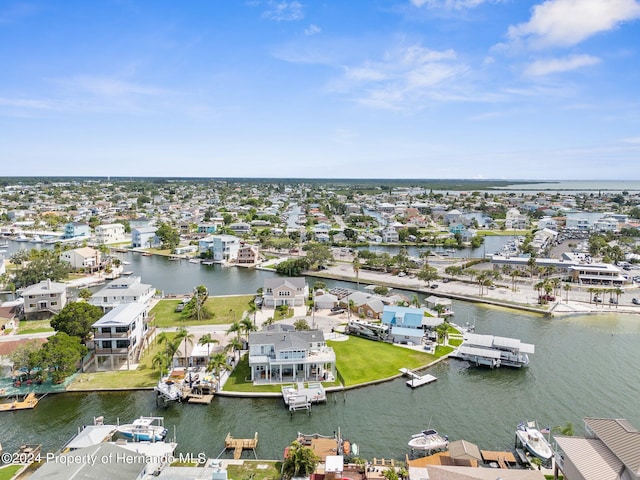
(360, 360)
(8, 471)
(144, 376)
(256, 470)
(224, 310)
(28, 327)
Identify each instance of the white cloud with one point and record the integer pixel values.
(569, 22)
(110, 87)
(634, 141)
(558, 65)
(404, 78)
(284, 11)
(312, 30)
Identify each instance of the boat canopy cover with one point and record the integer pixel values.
(479, 352)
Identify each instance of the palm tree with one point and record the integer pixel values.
(234, 346)
(567, 288)
(183, 334)
(218, 364)
(300, 462)
(415, 301)
(207, 340)
(356, 268)
(566, 430)
(236, 328)
(253, 310)
(159, 360)
(247, 326)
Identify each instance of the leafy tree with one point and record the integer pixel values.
(85, 294)
(427, 274)
(39, 267)
(61, 355)
(23, 357)
(380, 290)
(169, 236)
(293, 267)
(301, 324)
(301, 461)
(76, 318)
(318, 253)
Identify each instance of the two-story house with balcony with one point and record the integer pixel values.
(110, 233)
(76, 230)
(144, 237)
(118, 336)
(84, 258)
(122, 290)
(248, 254)
(44, 299)
(291, 291)
(221, 248)
(277, 356)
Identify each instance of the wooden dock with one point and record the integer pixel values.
(27, 403)
(199, 399)
(503, 459)
(240, 444)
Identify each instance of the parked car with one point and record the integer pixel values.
(597, 300)
(435, 285)
(337, 309)
(180, 307)
(635, 301)
(548, 298)
(613, 301)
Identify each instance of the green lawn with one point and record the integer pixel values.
(255, 470)
(360, 360)
(143, 376)
(34, 326)
(8, 471)
(224, 310)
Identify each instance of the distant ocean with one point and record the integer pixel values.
(610, 186)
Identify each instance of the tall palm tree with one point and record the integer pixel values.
(300, 462)
(567, 288)
(218, 364)
(159, 360)
(233, 346)
(356, 268)
(252, 309)
(247, 326)
(183, 334)
(207, 340)
(236, 328)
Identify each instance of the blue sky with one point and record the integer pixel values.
(511, 89)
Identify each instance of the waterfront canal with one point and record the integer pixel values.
(583, 366)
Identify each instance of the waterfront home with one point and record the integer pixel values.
(44, 299)
(277, 356)
(248, 254)
(220, 248)
(118, 337)
(76, 230)
(292, 291)
(610, 449)
(84, 258)
(122, 290)
(144, 237)
(364, 305)
(240, 228)
(109, 233)
(191, 353)
(110, 461)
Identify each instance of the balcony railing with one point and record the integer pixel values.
(112, 334)
(112, 351)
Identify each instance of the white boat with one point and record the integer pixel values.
(21, 238)
(36, 239)
(533, 440)
(144, 429)
(4, 244)
(428, 440)
(169, 390)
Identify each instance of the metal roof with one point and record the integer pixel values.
(620, 437)
(590, 457)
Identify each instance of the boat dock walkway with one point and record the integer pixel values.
(27, 403)
(503, 459)
(300, 397)
(238, 445)
(417, 380)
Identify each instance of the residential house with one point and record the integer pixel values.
(122, 290)
(405, 324)
(110, 233)
(44, 299)
(610, 450)
(76, 230)
(390, 235)
(248, 254)
(292, 291)
(119, 335)
(85, 258)
(240, 228)
(364, 305)
(548, 222)
(322, 299)
(221, 248)
(277, 356)
(207, 228)
(144, 237)
(141, 222)
(515, 220)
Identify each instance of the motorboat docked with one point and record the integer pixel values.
(145, 429)
(428, 440)
(528, 435)
(37, 239)
(493, 352)
(21, 237)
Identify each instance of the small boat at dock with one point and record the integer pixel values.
(528, 435)
(149, 429)
(428, 440)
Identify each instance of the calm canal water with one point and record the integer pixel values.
(583, 366)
